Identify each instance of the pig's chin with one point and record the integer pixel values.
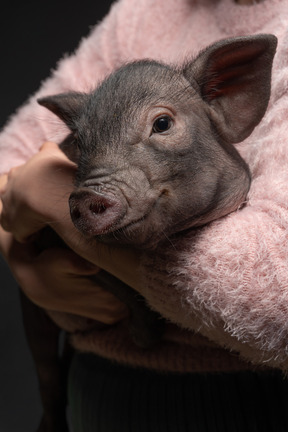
(145, 233)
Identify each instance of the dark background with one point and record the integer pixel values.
(33, 36)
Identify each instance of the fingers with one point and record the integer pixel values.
(36, 193)
(58, 279)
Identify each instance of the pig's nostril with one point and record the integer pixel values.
(97, 208)
(94, 213)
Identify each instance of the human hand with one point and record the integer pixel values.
(58, 279)
(54, 278)
(37, 193)
(35, 190)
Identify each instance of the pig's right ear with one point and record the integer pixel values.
(67, 106)
(233, 77)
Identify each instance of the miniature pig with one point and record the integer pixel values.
(154, 149)
(155, 143)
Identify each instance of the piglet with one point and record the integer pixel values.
(154, 149)
(154, 143)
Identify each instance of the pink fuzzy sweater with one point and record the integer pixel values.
(223, 288)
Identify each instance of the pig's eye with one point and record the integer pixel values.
(162, 124)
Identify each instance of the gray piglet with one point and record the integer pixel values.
(154, 149)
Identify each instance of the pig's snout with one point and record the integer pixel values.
(94, 213)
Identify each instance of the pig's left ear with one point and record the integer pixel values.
(234, 77)
(67, 106)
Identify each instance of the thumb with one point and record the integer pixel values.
(49, 145)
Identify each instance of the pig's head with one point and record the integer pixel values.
(154, 143)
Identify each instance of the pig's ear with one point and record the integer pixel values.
(67, 106)
(234, 78)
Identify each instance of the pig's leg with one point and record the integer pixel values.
(146, 326)
(43, 339)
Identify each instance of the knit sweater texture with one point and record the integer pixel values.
(222, 288)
